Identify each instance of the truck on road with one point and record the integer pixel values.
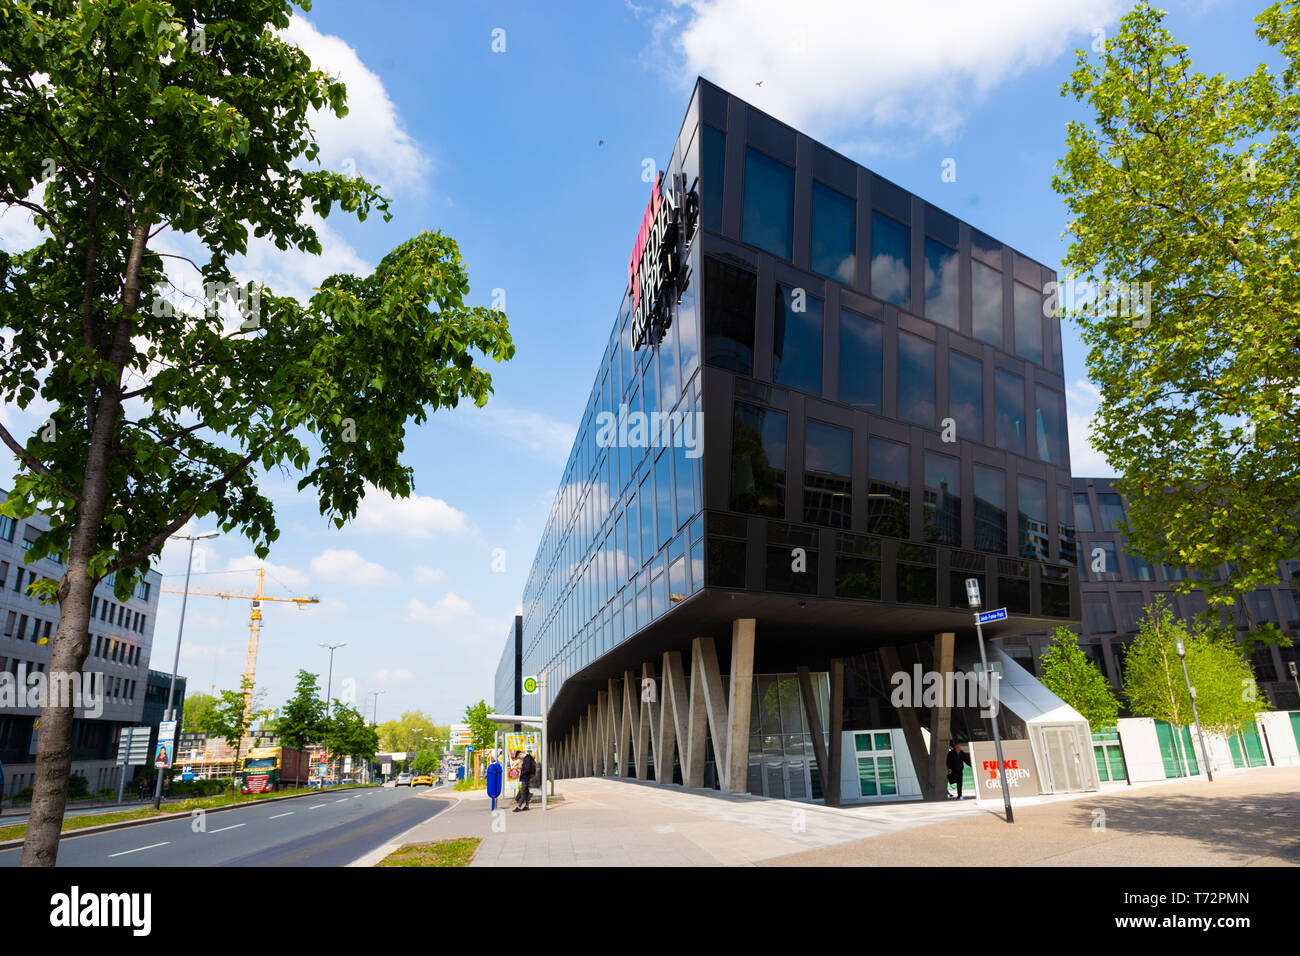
(273, 768)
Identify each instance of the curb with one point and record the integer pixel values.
(376, 855)
(125, 824)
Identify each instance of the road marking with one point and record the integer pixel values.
(224, 829)
(279, 815)
(151, 846)
(317, 806)
(344, 800)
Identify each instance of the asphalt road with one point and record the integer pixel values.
(325, 829)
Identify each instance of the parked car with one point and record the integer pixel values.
(403, 780)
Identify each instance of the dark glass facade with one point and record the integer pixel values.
(866, 414)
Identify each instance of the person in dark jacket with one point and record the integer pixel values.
(527, 768)
(956, 758)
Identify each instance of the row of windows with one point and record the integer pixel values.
(118, 614)
(31, 628)
(758, 486)
(730, 301)
(114, 688)
(768, 224)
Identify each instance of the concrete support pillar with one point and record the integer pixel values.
(739, 712)
(814, 717)
(831, 786)
(613, 707)
(593, 739)
(708, 711)
(629, 726)
(648, 723)
(916, 747)
(941, 714)
(674, 720)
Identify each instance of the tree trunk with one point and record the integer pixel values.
(72, 640)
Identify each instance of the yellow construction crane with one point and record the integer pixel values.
(254, 623)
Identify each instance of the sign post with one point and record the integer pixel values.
(973, 599)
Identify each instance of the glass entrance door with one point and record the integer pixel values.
(1063, 758)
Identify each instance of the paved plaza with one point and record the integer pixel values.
(1243, 818)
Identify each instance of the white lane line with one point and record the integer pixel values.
(317, 806)
(344, 800)
(151, 846)
(224, 829)
(279, 815)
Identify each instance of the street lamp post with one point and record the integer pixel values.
(375, 718)
(176, 661)
(1191, 692)
(329, 682)
(973, 600)
(1295, 679)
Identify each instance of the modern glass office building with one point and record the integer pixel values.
(824, 404)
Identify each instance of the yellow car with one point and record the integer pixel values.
(422, 780)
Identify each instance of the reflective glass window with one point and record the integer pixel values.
(942, 499)
(990, 509)
(729, 306)
(1082, 512)
(834, 231)
(915, 379)
(1009, 398)
(797, 339)
(647, 499)
(862, 353)
(891, 260)
(711, 186)
(758, 437)
(1028, 306)
(827, 492)
(940, 283)
(986, 303)
(1049, 422)
(768, 221)
(1033, 518)
(1111, 508)
(966, 396)
(889, 489)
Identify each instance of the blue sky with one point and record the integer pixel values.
(503, 151)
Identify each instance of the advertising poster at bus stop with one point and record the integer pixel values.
(166, 744)
(519, 743)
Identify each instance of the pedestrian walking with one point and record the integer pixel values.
(956, 759)
(527, 767)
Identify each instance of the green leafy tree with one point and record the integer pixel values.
(232, 717)
(348, 734)
(132, 129)
(1069, 675)
(302, 719)
(197, 713)
(1227, 696)
(1187, 182)
(483, 730)
(407, 734)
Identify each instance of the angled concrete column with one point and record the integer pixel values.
(674, 719)
(941, 715)
(815, 728)
(738, 709)
(831, 787)
(916, 747)
(604, 745)
(708, 710)
(628, 724)
(613, 706)
(593, 739)
(648, 722)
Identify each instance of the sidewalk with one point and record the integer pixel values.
(1247, 818)
(606, 822)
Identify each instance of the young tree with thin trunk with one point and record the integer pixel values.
(129, 127)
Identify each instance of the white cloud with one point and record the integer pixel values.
(371, 139)
(835, 67)
(347, 565)
(415, 517)
(396, 675)
(441, 613)
(1081, 401)
(423, 575)
(548, 439)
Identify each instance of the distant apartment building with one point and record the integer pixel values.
(121, 639)
(1117, 584)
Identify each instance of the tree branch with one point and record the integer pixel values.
(32, 462)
